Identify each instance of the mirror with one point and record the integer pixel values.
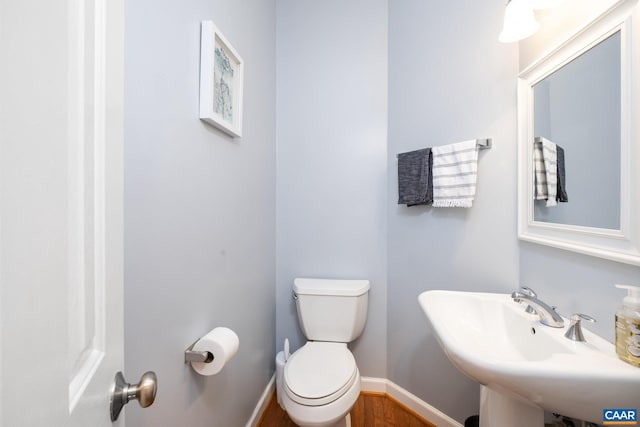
(578, 108)
(581, 101)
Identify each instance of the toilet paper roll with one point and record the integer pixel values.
(222, 343)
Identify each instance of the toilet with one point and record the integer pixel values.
(321, 380)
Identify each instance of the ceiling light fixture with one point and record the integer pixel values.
(519, 20)
(544, 4)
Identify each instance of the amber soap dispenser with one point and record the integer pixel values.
(628, 326)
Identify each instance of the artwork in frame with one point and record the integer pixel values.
(221, 73)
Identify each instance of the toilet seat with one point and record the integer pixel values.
(319, 373)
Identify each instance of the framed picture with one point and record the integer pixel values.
(221, 73)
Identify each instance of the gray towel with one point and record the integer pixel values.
(415, 186)
(561, 195)
(550, 157)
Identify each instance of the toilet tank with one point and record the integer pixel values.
(331, 310)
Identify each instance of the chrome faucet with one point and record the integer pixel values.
(531, 293)
(548, 315)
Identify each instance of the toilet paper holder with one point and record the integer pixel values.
(197, 356)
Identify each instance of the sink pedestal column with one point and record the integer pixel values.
(501, 410)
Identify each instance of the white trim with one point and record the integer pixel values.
(374, 385)
(411, 401)
(371, 385)
(263, 402)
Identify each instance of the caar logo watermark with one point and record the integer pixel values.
(620, 417)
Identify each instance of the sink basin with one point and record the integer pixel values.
(491, 339)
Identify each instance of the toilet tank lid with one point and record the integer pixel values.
(350, 288)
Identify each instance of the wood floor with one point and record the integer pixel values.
(370, 410)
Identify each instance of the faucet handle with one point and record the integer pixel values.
(574, 332)
(530, 292)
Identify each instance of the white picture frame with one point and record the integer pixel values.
(221, 81)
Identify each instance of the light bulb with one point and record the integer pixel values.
(519, 21)
(544, 4)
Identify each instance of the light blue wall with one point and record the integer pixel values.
(199, 212)
(577, 283)
(449, 80)
(331, 160)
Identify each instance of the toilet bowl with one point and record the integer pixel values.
(321, 384)
(321, 380)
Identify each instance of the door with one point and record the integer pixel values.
(61, 113)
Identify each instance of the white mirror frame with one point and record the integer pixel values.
(621, 245)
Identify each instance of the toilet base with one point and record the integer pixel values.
(345, 422)
(335, 414)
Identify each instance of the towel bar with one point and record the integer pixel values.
(483, 144)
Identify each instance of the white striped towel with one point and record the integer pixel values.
(539, 175)
(455, 169)
(546, 173)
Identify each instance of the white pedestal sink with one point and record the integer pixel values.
(505, 410)
(525, 367)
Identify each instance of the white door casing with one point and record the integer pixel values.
(61, 113)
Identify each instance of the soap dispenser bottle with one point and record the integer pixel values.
(628, 326)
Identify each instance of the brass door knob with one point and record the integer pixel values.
(144, 392)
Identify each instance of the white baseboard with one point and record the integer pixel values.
(263, 402)
(411, 401)
(371, 385)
